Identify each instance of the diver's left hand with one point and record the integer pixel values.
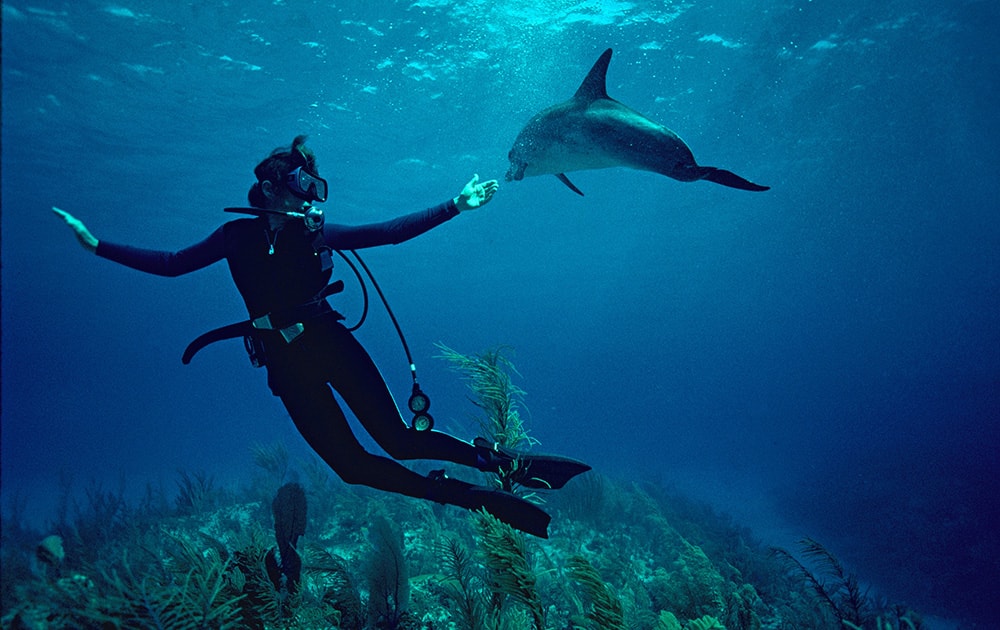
(88, 240)
(475, 194)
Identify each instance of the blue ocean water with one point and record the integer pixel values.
(822, 359)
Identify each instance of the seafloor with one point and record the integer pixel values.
(620, 555)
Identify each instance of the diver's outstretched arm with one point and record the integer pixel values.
(88, 240)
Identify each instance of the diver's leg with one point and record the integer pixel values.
(322, 423)
(359, 382)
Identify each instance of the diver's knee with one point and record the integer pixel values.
(354, 471)
(404, 445)
(352, 477)
(362, 469)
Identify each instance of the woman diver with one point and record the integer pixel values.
(280, 262)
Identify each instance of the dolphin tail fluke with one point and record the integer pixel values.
(566, 181)
(727, 178)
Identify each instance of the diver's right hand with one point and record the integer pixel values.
(475, 195)
(88, 240)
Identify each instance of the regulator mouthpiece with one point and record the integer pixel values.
(314, 219)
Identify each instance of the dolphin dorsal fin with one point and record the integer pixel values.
(594, 86)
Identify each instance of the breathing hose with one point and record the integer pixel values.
(419, 402)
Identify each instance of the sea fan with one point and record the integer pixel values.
(605, 607)
(843, 595)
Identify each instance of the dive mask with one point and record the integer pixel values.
(305, 185)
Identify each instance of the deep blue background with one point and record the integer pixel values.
(822, 359)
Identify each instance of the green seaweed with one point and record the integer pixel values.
(198, 595)
(842, 595)
(505, 556)
(707, 622)
(605, 609)
(463, 587)
(488, 376)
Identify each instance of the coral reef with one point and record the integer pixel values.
(627, 566)
(620, 555)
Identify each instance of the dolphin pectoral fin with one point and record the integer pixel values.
(566, 181)
(727, 178)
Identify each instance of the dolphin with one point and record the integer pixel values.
(593, 130)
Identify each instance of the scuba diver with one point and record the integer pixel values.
(281, 263)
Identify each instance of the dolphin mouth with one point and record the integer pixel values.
(515, 172)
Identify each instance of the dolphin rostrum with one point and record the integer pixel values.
(592, 130)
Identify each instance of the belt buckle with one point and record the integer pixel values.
(263, 322)
(291, 333)
(288, 333)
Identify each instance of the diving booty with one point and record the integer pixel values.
(593, 130)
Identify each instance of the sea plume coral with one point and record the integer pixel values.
(504, 553)
(605, 610)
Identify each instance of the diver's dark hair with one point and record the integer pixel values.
(276, 167)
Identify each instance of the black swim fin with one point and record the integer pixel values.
(509, 508)
(541, 472)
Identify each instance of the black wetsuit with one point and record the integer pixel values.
(276, 272)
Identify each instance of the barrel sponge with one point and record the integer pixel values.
(289, 509)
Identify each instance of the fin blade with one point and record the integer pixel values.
(513, 510)
(537, 470)
(562, 177)
(548, 472)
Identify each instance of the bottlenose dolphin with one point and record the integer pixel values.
(592, 130)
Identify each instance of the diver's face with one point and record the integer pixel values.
(281, 198)
(289, 202)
